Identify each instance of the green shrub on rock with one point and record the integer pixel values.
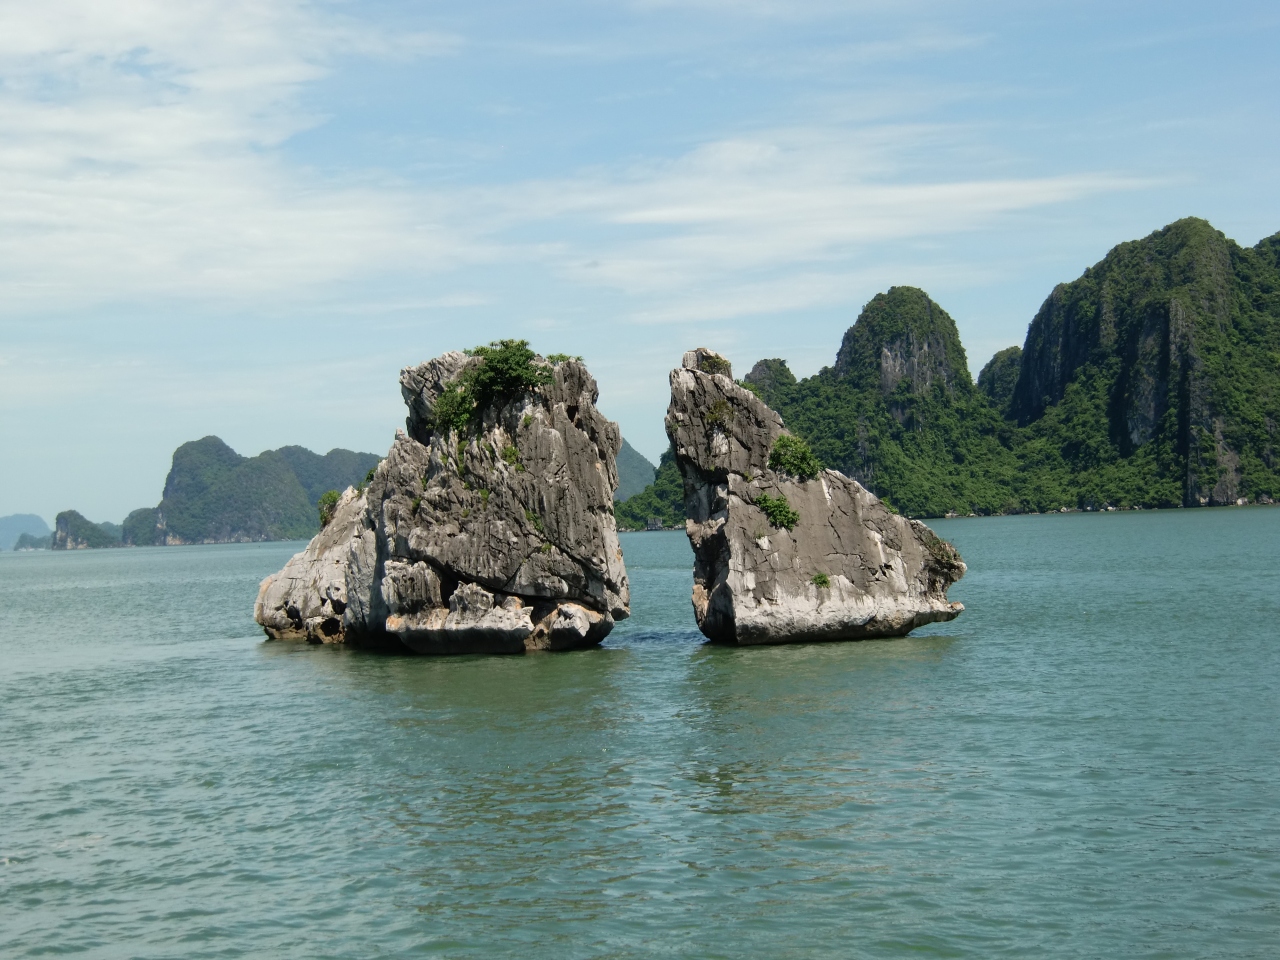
(507, 371)
(710, 364)
(327, 504)
(792, 455)
(778, 510)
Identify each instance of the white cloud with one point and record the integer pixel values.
(138, 154)
(140, 161)
(779, 221)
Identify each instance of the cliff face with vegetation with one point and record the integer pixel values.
(1153, 380)
(785, 551)
(1156, 375)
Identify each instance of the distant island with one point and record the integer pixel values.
(21, 531)
(1150, 381)
(214, 495)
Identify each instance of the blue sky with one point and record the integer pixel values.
(243, 218)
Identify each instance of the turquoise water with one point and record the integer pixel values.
(1085, 764)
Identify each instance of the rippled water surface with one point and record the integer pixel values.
(1085, 764)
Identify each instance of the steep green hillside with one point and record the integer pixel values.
(214, 495)
(336, 470)
(28, 541)
(999, 378)
(141, 528)
(634, 472)
(1155, 377)
(663, 499)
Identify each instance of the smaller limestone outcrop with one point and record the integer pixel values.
(785, 551)
(73, 531)
(488, 528)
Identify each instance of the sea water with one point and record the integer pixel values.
(1085, 764)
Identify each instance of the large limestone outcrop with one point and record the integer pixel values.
(494, 538)
(846, 569)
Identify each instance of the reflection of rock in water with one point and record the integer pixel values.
(784, 558)
(496, 538)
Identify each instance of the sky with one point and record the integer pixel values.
(244, 218)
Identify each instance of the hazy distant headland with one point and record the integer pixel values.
(214, 495)
(1150, 381)
(23, 531)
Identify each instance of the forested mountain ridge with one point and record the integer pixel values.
(15, 525)
(1152, 380)
(662, 500)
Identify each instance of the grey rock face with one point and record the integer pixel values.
(500, 540)
(755, 582)
(311, 598)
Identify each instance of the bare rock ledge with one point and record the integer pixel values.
(496, 539)
(846, 569)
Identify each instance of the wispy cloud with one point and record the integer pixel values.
(138, 156)
(141, 161)
(773, 222)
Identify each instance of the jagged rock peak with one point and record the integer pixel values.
(488, 528)
(785, 551)
(903, 335)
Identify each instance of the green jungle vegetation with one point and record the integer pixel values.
(662, 500)
(508, 369)
(635, 472)
(328, 505)
(790, 454)
(1153, 380)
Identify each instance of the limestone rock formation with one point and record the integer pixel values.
(903, 335)
(496, 536)
(780, 556)
(73, 531)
